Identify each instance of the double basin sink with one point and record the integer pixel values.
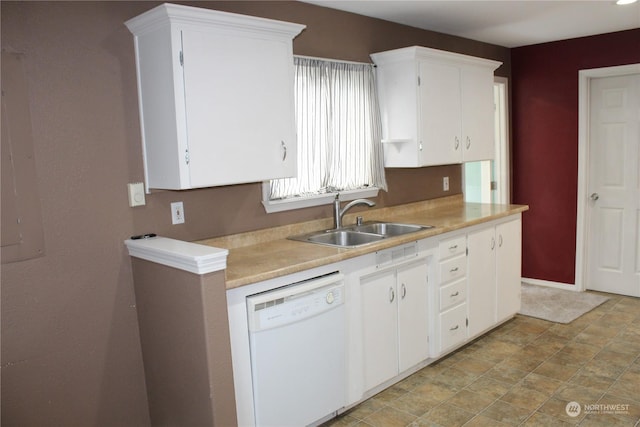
(358, 235)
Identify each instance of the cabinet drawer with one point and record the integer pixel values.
(453, 247)
(453, 269)
(453, 329)
(453, 294)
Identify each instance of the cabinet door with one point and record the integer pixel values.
(239, 108)
(439, 114)
(477, 114)
(380, 328)
(413, 315)
(508, 267)
(481, 279)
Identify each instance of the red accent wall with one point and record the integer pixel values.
(545, 143)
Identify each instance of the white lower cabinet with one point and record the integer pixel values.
(494, 274)
(395, 321)
(481, 280)
(508, 268)
(405, 306)
(451, 318)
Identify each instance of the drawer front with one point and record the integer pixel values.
(453, 269)
(453, 329)
(453, 294)
(453, 247)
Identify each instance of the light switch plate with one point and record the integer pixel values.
(136, 194)
(177, 213)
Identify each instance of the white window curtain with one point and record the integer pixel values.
(338, 130)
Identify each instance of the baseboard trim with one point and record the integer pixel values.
(550, 284)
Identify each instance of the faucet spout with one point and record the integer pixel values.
(339, 213)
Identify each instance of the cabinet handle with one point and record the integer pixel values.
(456, 294)
(500, 240)
(453, 248)
(493, 243)
(457, 144)
(392, 295)
(468, 142)
(420, 145)
(454, 328)
(284, 150)
(453, 270)
(404, 291)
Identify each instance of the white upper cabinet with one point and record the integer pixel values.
(436, 106)
(216, 97)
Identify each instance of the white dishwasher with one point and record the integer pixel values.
(298, 362)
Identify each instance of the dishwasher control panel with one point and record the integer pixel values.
(294, 302)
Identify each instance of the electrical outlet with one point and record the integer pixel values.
(445, 183)
(177, 213)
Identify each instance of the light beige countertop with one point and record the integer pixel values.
(266, 254)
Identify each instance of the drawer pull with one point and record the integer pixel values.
(453, 248)
(454, 328)
(453, 270)
(455, 294)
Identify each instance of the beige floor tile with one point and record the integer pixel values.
(471, 401)
(576, 393)
(524, 397)
(585, 378)
(447, 415)
(616, 358)
(506, 374)
(390, 417)
(543, 420)
(474, 365)
(416, 404)
(604, 368)
(628, 385)
(558, 370)
(436, 391)
(489, 386)
(541, 383)
(455, 379)
(506, 413)
(482, 421)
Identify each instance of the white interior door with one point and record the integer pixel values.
(614, 185)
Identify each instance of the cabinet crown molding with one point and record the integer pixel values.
(168, 13)
(426, 53)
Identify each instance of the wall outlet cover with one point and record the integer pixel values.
(177, 213)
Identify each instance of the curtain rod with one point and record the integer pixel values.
(333, 60)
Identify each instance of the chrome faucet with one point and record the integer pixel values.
(339, 213)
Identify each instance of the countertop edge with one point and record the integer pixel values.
(340, 254)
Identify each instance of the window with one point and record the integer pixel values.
(339, 132)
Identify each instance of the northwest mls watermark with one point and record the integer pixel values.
(574, 409)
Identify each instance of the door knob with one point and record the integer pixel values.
(595, 196)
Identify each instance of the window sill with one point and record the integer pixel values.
(272, 206)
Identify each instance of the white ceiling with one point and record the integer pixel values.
(509, 23)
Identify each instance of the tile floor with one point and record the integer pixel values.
(525, 373)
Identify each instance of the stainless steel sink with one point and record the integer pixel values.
(388, 228)
(358, 235)
(344, 238)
